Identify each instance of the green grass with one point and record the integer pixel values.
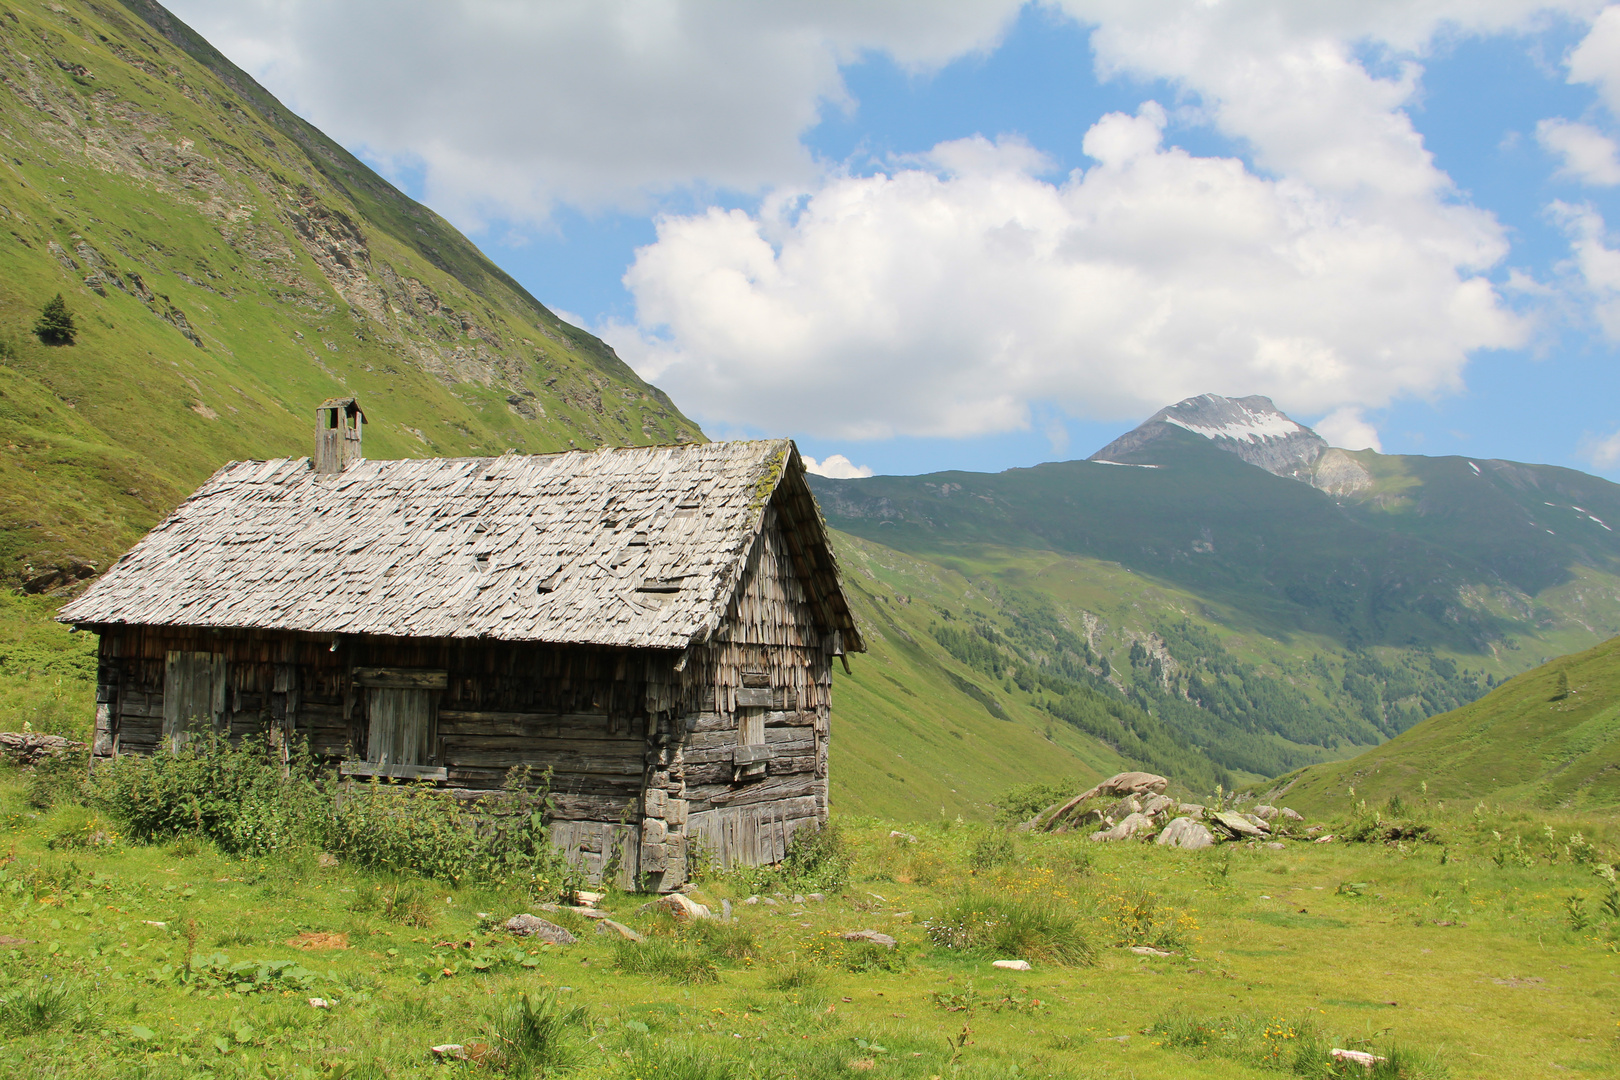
(174, 959)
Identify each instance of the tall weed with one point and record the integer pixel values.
(1019, 927)
(243, 798)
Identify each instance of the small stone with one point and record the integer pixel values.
(1291, 815)
(682, 907)
(608, 926)
(319, 1003)
(725, 910)
(815, 898)
(453, 1051)
(526, 925)
(768, 900)
(751, 901)
(1276, 845)
(896, 834)
(1011, 965)
(872, 936)
(1356, 1057)
(1328, 839)
(1148, 950)
(1265, 813)
(326, 860)
(798, 900)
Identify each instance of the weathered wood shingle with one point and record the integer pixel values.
(640, 547)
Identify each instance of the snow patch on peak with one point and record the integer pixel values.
(1254, 427)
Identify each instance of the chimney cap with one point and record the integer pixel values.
(350, 406)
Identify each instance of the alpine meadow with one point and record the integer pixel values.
(1223, 752)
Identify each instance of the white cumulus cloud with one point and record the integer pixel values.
(1594, 263)
(837, 466)
(1588, 155)
(508, 109)
(1596, 60)
(947, 295)
(1349, 429)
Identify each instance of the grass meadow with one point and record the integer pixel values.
(1486, 950)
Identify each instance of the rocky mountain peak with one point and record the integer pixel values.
(1251, 427)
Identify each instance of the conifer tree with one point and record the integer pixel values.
(1561, 686)
(55, 323)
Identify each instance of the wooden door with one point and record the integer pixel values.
(193, 695)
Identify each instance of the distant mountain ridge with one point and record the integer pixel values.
(1255, 430)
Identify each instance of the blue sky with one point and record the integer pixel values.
(980, 235)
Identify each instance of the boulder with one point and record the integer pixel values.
(1265, 813)
(1236, 825)
(1184, 832)
(871, 936)
(1276, 845)
(1156, 805)
(1122, 809)
(1258, 822)
(1133, 825)
(526, 925)
(1192, 810)
(1129, 783)
(1291, 815)
(1148, 950)
(1355, 1057)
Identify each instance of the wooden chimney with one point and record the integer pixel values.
(337, 434)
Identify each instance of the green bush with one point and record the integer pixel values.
(1023, 801)
(1016, 927)
(993, 849)
(241, 797)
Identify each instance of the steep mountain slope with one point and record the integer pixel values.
(1550, 737)
(229, 267)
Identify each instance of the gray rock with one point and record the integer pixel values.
(1291, 815)
(1265, 813)
(1192, 810)
(1276, 845)
(1133, 825)
(872, 936)
(1184, 832)
(1155, 805)
(816, 898)
(1258, 822)
(526, 925)
(1235, 824)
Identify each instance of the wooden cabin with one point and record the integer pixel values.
(656, 626)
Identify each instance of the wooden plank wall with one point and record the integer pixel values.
(577, 710)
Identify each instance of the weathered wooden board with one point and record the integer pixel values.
(401, 678)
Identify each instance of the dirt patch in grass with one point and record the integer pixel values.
(315, 942)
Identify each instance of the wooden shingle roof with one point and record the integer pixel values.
(627, 547)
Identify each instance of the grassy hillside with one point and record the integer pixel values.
(228, 268)
(1548, 738)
